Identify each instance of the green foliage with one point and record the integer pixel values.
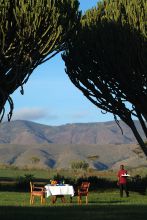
(82, 165)
(106, 60)
(124, 12)
(35, 160)
(23, 182)
(31, 33)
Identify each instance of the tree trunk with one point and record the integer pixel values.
(138, 137)
(143, 125)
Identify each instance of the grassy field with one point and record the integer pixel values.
(14, 173)
(10, 171)
(103, 204)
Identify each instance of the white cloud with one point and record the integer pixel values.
(32, 114)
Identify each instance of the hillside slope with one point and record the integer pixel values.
(100, 144)
(26, 132)
(61, 156)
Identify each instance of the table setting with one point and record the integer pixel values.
(58, 189)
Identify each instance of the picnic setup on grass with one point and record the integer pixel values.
(58, 189)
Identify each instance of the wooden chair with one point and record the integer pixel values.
(83, 191)
(38, 192)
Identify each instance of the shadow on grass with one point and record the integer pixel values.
(86, 212)
(108, 202)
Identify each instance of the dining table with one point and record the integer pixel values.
(59, 191)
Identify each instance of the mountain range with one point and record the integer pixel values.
(101, 144)
(28, 133)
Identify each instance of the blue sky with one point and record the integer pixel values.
(50, 98)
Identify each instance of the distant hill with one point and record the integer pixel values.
(27, 133)
(100, 144)
(99, 157)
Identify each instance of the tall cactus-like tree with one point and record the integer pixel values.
(107, 60)
(31, 32)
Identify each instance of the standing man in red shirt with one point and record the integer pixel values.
(122, 181)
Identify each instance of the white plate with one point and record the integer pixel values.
(125, 175)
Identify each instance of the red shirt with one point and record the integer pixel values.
(122, 179)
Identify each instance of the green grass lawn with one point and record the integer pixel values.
(102, 205)
(14, 173)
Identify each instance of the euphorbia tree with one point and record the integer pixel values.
(31, 32)
(106, 60)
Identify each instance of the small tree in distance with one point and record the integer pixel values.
(35, 160)
(79, 165)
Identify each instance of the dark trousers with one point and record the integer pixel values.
(123, 187)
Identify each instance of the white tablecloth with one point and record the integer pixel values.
(59, 190)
